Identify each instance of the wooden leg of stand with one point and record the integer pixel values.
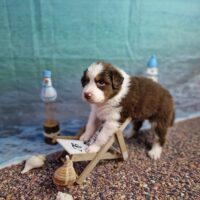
(122, 145)
(94, 162)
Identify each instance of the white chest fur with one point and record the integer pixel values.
(108, 113)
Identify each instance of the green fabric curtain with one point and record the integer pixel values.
(66, 35)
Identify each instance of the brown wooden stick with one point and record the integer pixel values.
(122, 145)
(94, 162)
(67, 137)
(90, 156)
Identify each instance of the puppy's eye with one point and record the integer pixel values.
(101, 83)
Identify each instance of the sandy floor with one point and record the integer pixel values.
(175, 176)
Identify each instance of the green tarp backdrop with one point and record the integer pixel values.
(67, 35)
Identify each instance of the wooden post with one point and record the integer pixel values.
(122, 145)
(94, 162)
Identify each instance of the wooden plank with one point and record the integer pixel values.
(82, 157)
(69, 137)
(125, 124)
(122, 145)
(94, 162)
(85, 157)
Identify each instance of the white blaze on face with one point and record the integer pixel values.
(97, 94)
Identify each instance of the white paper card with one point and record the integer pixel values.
(73, 146)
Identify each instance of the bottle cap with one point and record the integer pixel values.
(46, 74)
(152, 62)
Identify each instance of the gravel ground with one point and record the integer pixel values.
(175, 176)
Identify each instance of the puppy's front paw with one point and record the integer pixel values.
(84, 137)
(93, 148)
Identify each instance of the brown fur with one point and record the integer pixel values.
(148, 100)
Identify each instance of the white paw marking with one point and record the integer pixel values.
(93, 148)
(155, 152)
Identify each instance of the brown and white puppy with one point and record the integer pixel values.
(115, 96)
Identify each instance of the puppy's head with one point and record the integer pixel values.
(101, 81)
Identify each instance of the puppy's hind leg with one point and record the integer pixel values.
(159, 141)
(133, 132)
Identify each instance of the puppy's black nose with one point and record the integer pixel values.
(88, 95)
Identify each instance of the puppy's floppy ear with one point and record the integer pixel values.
(117, 79)
(84, 79)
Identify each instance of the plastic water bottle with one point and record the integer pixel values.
(48, 92)
(48, 95)
(152, 68)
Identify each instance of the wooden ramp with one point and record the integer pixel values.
(107, 151)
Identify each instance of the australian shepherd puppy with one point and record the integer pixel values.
(115, 96)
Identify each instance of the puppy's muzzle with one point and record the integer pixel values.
(88, 95)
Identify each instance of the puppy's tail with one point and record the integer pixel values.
(173, 118)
